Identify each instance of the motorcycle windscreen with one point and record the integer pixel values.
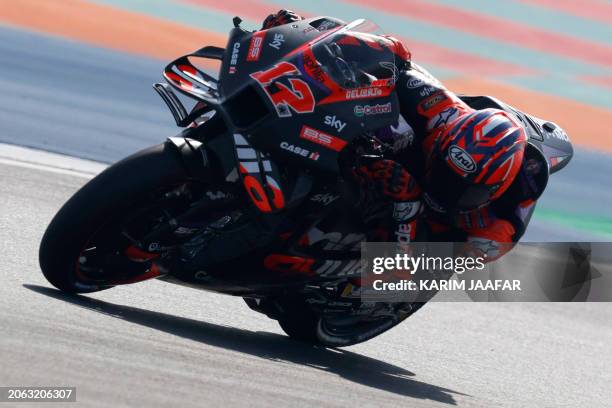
(323, 94)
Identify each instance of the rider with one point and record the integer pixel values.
(456, 173)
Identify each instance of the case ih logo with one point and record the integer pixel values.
(300, 151)
(318, 137)
(234, 58)
(255, 46)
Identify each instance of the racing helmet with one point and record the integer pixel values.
(473, 160)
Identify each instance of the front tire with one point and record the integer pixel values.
(104, 198)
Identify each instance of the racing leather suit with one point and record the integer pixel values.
(426, 108)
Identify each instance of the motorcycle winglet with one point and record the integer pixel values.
(191, 81)
(176, 107)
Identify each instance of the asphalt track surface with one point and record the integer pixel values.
(156, 344)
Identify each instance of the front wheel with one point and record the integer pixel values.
(97, 208)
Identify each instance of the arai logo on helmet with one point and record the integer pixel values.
(462, 159)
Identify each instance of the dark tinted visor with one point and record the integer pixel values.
(451, 192)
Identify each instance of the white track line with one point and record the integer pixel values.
(46, 161)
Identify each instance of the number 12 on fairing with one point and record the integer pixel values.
(298, 97)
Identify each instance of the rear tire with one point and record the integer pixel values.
(302, 327)
(300, 323)
(104, 198)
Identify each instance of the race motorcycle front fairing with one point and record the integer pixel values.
(290, 99)
(253, 198)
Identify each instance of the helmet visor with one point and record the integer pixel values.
(449, 191)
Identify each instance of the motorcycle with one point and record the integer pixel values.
(251, 199)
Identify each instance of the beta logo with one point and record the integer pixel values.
(462, 159)
(300, 151)
(335, 123)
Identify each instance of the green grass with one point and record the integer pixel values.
(601, 225)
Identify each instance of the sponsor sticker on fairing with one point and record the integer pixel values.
(331, 120)
(377, 89)
(360, 93)
(300, 151)
(298, 96)
(324, 199)
(361, 110)
(313, 68)
(323, 139)
(234, 58)
(255, 46)
(278, 40)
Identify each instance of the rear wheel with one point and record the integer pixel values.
(301, 326)
(91, 216)
(341, 330)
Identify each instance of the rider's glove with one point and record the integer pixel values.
(391, 198)
(390, 179)
(280, 18)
